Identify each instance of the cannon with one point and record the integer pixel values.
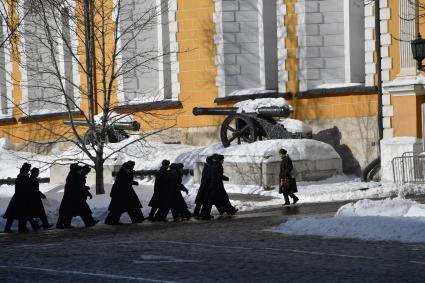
(115, 132)
(248, 127)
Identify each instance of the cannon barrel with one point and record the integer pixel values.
(214, 111)
(133, 126)
(265, 111)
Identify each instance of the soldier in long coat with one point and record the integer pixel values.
(124, 198)
(215, 193)
(159, 190)
(70, 197)
(18, 207)
(36, 205)
(287, 184)
(175, 200)
(205, 178)
(84, 192)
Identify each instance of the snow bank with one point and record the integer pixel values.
(419, 79)
(267, 151)
(338, 85)
(249, 91)
(379, 220)
(251, 106)
(295, 126)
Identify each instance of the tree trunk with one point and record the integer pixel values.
(100, 188)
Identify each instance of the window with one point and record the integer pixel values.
(49, 73)
(5, 73)
(247, 54)
(147, 47)
(331, 42)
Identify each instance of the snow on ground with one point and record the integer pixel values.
(395, 219)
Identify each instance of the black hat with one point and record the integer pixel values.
(74, 166)
(173, 166)
(209, 159)
(129, 164)
(35, 170)
(180, 165)
(165, 162)
(282, 151)
(25, 167)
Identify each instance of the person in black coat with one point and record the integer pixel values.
(124, 198)
(70, 197)
(215, 193)
(74, 200)
(287, 183)
(84, 193)
(159, 189)
(36, 205)
(18, 207)
(175, 200)
(204, 182)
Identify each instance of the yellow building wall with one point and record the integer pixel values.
(196, 30)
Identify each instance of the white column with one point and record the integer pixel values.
(407, 33)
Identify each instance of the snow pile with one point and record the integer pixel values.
(338, 85)
(380, 220)
(12, 160)
(113, 118)
(267, 151)
(418, 80)
(249, 91)
(295, 126)
(147, 155)
(251, 106)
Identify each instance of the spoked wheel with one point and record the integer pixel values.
(237, 129)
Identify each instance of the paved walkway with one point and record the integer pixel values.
(239, 249)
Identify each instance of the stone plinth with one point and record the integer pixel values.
(395, 147)
(259, 163)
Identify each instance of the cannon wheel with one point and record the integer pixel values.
(237, 129)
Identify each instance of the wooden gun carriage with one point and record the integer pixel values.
(248, 127)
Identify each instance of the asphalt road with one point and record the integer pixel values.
(239, 249)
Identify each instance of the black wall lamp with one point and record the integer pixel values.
(418, 50)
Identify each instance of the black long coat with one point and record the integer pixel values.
(18, 205)
(36, 208)
(214, 189)
(175, 198)
(160, 188)
(72, 197)
(205, 179)
(286, 168)
(123, 196)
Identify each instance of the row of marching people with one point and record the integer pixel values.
(26, 204)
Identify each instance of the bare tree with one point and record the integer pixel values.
(87, 59)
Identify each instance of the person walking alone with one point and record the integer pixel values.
(287, 183)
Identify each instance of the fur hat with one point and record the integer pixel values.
(25, 167)
(282, 151)
(165, 162)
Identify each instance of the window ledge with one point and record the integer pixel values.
(156, 105)
(7, 120)
(37, 117)
(285, 95)
(338, 91)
